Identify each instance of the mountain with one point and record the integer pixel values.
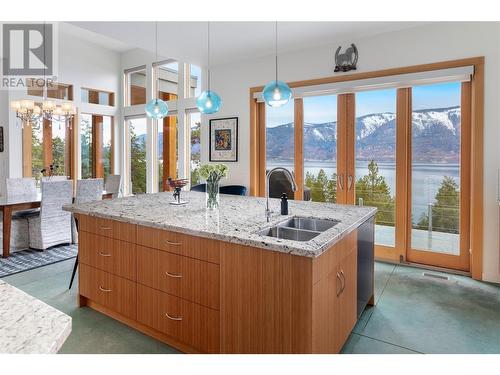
(435, 137)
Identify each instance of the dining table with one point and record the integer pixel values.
(21, 202)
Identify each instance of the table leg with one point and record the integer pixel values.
(7, 217)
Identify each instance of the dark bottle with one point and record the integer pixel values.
(284, 204)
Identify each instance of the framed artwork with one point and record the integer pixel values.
(223, 136)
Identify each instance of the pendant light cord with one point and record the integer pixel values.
(276, 50)
(156, 61)
(208, 53)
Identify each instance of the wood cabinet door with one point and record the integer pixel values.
(348, 296)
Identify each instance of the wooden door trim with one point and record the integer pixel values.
(298, 128)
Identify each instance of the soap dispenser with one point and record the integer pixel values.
(284, 204)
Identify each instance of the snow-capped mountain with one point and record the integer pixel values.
(436, 137)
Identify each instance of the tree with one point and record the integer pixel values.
(376, 193)
(137, 162)
(86, 147)
(59, 155)
(445, 212)
(323, 189)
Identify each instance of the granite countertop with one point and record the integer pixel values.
(28, 325)
(237, 220)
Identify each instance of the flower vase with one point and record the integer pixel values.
(212, 195)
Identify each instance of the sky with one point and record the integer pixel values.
(320, 109)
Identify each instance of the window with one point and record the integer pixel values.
(37, 161)
(96, 144)
(54, 90)
(435, 169)
(137, 128)
(60, 91)
(135, 83)
(168, 80)
(47, 143)
(86, 146)
(168, 154)
(280, 145)
(193, 81)
(375, 159)
(194, 122)
(97, 97)
(320, 148)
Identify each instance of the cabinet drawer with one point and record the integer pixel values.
(190, 323)
(177, 243)
(111, 291)
(188, 278)
(107, 254)
(349, 244)
(107, 228)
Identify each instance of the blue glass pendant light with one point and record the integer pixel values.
(276, 93)
(156, 108)
(209, 101)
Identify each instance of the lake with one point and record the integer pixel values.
(426, 178)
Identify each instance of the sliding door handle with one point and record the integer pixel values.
(340, 180)
(350, 180)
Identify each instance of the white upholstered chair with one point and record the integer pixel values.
(54, 178)
(19, 239)
(21, 186)
(88, 190)
(53, 225)
(113, 184)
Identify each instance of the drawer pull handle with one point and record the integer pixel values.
(104, 289)
(178, 319)
(339, 290)
(105, 228)
(173, 275)
(173, 243)
(104, 254)
(343, 281)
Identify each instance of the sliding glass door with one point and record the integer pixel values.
(375, 160)
(437, 185)
(320, 148)
(405, 151)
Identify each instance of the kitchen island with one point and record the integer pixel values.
(224, 281)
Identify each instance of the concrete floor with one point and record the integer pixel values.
(414, 314)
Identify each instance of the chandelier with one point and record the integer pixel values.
(30, 112)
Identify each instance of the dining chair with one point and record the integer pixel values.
(89, 190)
(22, 186)
(233, 190)
(19, 239)
(53, 225)
(112, 184)
(54, 178)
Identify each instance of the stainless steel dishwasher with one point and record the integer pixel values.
(366, 259)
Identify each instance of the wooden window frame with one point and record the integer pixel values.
(47, 147)
(97, 137)
(95, 93)
(474, 222)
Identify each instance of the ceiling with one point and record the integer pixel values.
(230, 41)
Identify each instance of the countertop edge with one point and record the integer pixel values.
(285, 248)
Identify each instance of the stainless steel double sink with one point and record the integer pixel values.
(299, 228)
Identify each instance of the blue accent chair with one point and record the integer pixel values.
(233, 190)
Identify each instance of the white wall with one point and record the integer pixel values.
(82, 64)
(425, 44)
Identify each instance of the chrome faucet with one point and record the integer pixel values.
(294, 187)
